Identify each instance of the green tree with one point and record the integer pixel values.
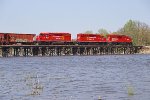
(102, 31)
(138, 31)
(88, 32)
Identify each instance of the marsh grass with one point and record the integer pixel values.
(99, 98)
(32, 81)
(130, 90)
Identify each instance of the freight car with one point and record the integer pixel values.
(16, 38)
(50, 38)
(1, 38)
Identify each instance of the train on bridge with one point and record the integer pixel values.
(63, 38)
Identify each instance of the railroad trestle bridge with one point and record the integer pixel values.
(65, 50)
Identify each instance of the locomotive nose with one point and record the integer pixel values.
(36, 38)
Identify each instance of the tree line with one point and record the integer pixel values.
(138, 31)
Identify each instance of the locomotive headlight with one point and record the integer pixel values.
(62, 37)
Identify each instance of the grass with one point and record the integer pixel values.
(130, 91)
(32, 82)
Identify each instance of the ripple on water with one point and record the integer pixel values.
(75, 77)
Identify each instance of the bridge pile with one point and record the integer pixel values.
(65, 50)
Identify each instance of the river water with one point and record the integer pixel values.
(109, 77)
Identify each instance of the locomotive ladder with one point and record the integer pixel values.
(65, 50)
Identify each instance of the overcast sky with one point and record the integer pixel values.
(74, 16)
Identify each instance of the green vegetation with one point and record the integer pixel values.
(99, 98)
(103, 31)
(88, 32)
(130, 90)
(138, 31)
(33, 83)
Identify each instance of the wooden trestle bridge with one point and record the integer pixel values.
(62, 50)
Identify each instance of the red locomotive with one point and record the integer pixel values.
(85, 39)
(53, 38)
(114, 39)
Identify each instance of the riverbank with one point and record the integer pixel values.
(145, 50)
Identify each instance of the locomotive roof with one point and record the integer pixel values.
(116, 35)
(88, 34)
(54, 33)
